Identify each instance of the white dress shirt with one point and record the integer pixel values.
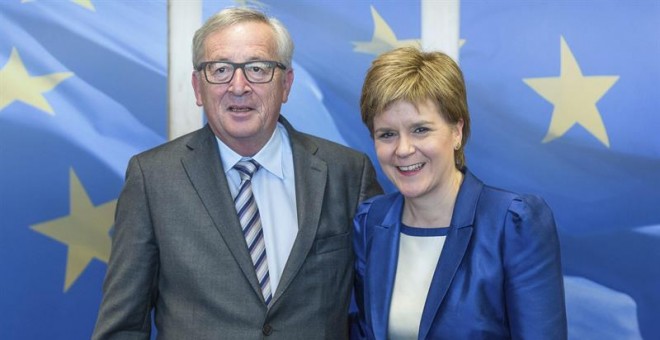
(275, 192)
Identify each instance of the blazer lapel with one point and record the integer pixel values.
(310, 176)
(381, 267)
(453, 250)
(205, 172)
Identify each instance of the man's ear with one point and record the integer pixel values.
(288, 82)
(197, 86)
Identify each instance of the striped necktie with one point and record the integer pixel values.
(248, 215)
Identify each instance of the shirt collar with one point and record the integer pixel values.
(269, 157)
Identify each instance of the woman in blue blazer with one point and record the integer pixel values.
(446, 257)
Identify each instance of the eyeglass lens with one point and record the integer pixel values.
(255, 72)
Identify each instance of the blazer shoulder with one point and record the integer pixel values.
(375, 210)
(526, 216)
(381, 202)
(521, 205)
(327, 147)
(326, 150)
(176, 146)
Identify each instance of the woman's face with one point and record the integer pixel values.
(415, 147)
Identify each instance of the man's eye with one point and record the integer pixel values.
(256, 69)
(220, 69)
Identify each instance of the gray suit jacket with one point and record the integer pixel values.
(178, 248)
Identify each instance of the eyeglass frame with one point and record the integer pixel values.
(275, 64)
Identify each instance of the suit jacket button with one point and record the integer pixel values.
(267, 329)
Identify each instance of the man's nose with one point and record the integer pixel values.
(239, 84)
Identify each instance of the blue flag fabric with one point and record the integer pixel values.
(563, 97)
(82, 88)
(564, 100)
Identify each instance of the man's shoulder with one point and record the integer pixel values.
(333, 146)
(325, 147)
(176, 146)
(318, 145)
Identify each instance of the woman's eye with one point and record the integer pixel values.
(385, 135)
(421, 129)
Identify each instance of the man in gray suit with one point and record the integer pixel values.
(242, 229)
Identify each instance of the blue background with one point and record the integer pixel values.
(606, 199)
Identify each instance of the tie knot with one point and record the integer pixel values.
(246, 168)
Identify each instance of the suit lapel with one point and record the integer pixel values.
(452, 254)
(205, 172)
(453, 250)
(381, 267)
(310, 177)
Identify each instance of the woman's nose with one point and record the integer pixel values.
(404, 147)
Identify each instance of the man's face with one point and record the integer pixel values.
(243, 115)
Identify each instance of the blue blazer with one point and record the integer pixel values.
(498, 277)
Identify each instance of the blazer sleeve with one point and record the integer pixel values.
(129, 289)
(359, 329)
(533, 278)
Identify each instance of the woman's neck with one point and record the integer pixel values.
(435, 209)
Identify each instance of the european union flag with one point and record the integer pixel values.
(564, 99)
(563, 95)
(82, 88)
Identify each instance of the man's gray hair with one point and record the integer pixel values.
(236, 15)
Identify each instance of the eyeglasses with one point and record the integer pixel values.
(256, 72)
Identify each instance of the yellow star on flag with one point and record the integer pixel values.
(383, 39)
(85, 231)
(574, 97)
(17, 84)
(85, 3)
